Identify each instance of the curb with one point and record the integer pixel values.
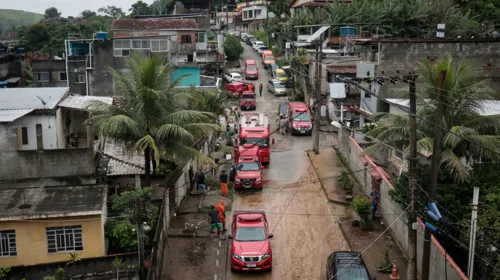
(188, 235)
(344, 203)
(344, 235)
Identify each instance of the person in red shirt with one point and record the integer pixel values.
(222, 214)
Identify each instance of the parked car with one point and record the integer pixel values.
(250, 40)
(276, 87)
(271, 68)
(268, 59)
(236, 88)
(299, 118)
(350, 263)
(257, 44)
(262, 49)
(236, 33)
(266, 53)
(243, 37)
(250, 241)
(282, 108)
(251, 70)
(288, 70)
(280, 74)
(232, 77)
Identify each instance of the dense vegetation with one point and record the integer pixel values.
(13, 18)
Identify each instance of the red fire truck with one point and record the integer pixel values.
(248, 168)
(255, 129)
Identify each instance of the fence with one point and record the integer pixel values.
(442, 265)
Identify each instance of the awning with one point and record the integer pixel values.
(12, 115)
(317, 34)
(13, 80)
(374, 171)
(81, 102)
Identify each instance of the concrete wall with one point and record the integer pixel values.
(31, 240)
(392, 212)
(49, 133)
(54, 68)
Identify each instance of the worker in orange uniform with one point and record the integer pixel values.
(223, 178)
(222, 214)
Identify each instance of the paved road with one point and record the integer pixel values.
(305, 231)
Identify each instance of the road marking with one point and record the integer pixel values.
(215, 276)
(220, 245)
(217, 262)
(217, 252)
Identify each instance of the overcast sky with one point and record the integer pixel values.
(66, 7)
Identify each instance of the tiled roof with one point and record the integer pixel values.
(153, 24)
(31, 98)
(49, 202)
(81, 101)
(121, 162)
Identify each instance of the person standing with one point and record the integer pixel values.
(222, 214)
(200, 179)
(283, 124)
(223, 178)
(191, 179)
(375, 201)
(251, 87)
(228, 131)
(214, 222)
(260, 89)
(232, 174)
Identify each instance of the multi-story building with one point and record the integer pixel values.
(254, 14)
(49, 73)
(11, 65)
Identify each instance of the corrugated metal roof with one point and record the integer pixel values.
(119, 158)
(12, 115)
(153, 24)
(81, 101)
(13, 80)
(318, 33)
(31, 98)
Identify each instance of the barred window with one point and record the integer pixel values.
(64, 239)
(8, 243)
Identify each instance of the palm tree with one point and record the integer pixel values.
(462, 120)
(215, 101)
(152, 117)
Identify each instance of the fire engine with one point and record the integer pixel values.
(255, 129)
(248, 168)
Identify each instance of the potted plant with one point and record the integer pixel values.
(362, 206)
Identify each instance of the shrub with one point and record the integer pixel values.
(232, 47)
(345, 181)
(362, 206)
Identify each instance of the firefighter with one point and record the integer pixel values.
(222, 214)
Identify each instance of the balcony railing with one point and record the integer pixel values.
(187, 48)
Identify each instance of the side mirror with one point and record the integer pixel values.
(272, 141)
(271, 235)
(262, 167)
(230, 237)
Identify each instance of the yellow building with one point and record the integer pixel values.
(45, 225)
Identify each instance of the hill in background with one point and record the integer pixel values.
(17, 18)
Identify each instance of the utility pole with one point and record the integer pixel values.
(412, 217)
(317, 108)
(472, 243)
(140, 239)
(436, 155)
(267, 24)
(227, 16)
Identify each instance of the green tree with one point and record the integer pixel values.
(462, 120)
(121, 231)
(52, 13)
(162, 7)
(139, 8)
(214, 101)
(153, 117)
(232, 47)
(111, 11)
(87, 14)
(38, 36)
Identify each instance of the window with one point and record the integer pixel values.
(249, 166)
(24, 135)
(42, 76)
(8, 243)
(262, 142)
(136, 44)
(200, 37)
(63, 76)
(249, 234)
(64, 239)
(258, 13)
(79, 79)
(185, 39)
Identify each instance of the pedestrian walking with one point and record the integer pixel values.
(375, 201)
(214, 222)
(223, 178)
(200, 180)
(260, 89)
(283, 125)
(232, 174)
(235, 129)
(228, 130)
(222, 214)
(191, 179)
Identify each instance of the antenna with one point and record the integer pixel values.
(43, 101)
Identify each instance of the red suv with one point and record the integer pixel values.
(250, 246)
(247, 100)
(251, 70)
(248, 168)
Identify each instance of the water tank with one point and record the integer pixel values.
(102, 36)
(347, 31)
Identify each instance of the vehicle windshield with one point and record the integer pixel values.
(263, 48)
(280, 74)
(264, 143)
(269, 58)
(302, 117)
(248, 234)
(278, 85)
(249, 166)
(251, 67)
(236, 76)
(352, 272)
(252, 39)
